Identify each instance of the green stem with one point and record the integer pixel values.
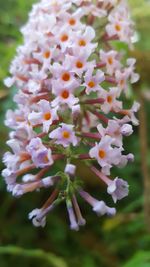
(52, 259)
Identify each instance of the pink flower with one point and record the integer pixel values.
(130, 70)
(41, 156)
(79, 63)
(64, 135)
(111, 60)
(83, 41)
(73, 20)
(64, 37)
(131, 113)
(110, 100)
(117, 188)
(63, 75)
(46, 116)
(122, 78)
(92, 82)
(94, 10)
(116, 130)
(46, 55)
(64, 94)
(10, 177)
(105, 154)
(120, 23)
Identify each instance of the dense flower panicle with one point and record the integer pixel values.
(71, 82)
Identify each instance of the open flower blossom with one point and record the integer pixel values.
(105, 154)
(64, 135)
(45, 116)
(118, 189)
(41, 155)
(92, 83)
(71, 84)
(120, 23)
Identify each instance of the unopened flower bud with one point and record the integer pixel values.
(126, 129)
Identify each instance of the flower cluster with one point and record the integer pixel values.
(71, 82)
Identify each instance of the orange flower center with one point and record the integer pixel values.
(65, 94)
(47, 116)
(91, 84)
(118, 27)
(46, 54)
(66, 77)
(46, 159)
(102, 154)
(109, 99)
(64, 38)
(66, 134)
(110, 60)
(79, 64)
(72, 21)
(82, 42)
(122, 82)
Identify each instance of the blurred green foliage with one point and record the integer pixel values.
(140, 259)
(50, 258)
(119, 242)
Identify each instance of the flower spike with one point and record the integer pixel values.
(70, 81)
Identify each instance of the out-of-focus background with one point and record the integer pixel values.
(123, 241)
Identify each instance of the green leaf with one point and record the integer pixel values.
(140, 259)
